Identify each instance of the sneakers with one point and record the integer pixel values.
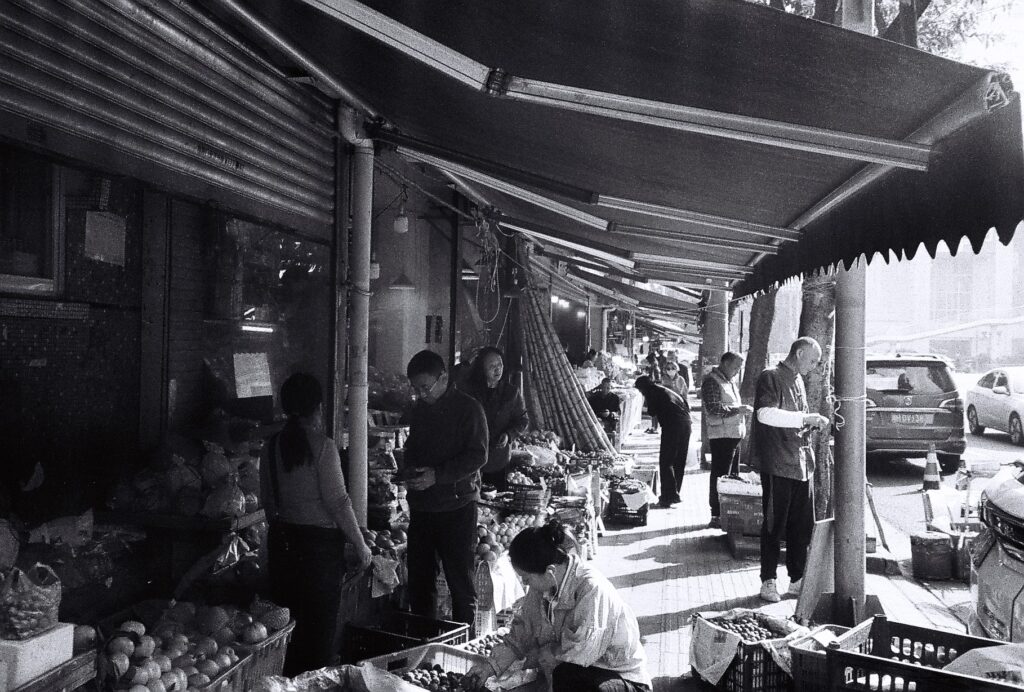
(651, 431)
(769, 592)
(715, 523)
(794, 587)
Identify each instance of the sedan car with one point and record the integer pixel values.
(997, 402)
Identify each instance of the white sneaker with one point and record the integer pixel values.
(769, 592)
(794, 587)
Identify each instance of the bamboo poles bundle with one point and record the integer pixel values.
(556, 396)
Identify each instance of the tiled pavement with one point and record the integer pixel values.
(676, 566)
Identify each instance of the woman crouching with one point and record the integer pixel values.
(573, 625)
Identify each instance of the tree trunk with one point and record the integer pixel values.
(818, 321)
(762, 316)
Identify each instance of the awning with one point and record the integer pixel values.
(722, 129)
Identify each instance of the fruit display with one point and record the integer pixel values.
(30, 602)
(493, 540)
(434, 678)
(187, 645)
(484, 645)
(380, 490)
(749, 627)
(385, 542)
(520, 478)
(541, 438)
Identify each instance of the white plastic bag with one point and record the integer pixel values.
(1004, 663)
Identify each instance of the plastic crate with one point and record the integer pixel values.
(400, 631)
(618, 512)
(448, 657)
(742, 514)
(886, 656)
(810, 667)
(752, 670)
(267, 657)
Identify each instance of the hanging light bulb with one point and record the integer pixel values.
(374, 266)
(401, 224)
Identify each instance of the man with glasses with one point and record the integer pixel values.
(445, 450)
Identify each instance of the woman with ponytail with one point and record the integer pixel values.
(311, 520)
(573, 625)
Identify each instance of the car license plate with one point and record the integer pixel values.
(912, 418)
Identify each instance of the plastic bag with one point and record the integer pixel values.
(9, 546)
(1003, 662)
(29, 602)
(180, 476)
(226, 501)
(215, 467)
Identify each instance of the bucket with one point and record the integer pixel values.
(963, 556)
(931, 555)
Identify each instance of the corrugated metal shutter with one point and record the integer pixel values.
(132, 83)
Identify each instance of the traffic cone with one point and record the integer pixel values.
(932, 479)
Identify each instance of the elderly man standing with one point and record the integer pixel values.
(673, 413)
(783, 450)
(726, 422)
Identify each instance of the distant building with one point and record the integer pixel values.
(969, 308)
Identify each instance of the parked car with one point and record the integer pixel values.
(997, 556)
(913, 403)
(997, 402)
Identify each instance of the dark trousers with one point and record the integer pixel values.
(307, 567)
(788, 514)
(675, 442)
(447, 536)
(722, 451)
(569, 677)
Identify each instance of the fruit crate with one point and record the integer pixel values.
(886, 656)
(266, 657)
(752, 669)
(741, 514)
(448, 657)
(810, 668)
(400, 631)
(529, 499)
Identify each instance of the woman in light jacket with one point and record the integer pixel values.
(504, 407)
(573, 624)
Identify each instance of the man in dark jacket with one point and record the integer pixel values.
(445, 450)
(673, 414)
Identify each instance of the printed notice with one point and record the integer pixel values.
(104, 237)
(252, 375)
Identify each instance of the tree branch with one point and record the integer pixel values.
(908, 15)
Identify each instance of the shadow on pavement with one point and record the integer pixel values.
(656, 624)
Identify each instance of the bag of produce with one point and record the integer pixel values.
(226, 501)
(180, 476)
(215, 467)
(28, 602)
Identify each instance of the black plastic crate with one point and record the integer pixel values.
(885, 656)
(752, 669)
(617, 512)
(399, 631)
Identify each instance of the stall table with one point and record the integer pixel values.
(68, 676)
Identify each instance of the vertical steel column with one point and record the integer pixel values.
(337, 391)
(359, 274)
(455, 285)
(850, 560)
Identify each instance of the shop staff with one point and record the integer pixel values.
(573, 624)
(311, 518)
(673, 413)
(504, 407)
(726, 424)
(782, 450)
(445, 450)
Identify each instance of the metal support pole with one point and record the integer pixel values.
(850, 561)
(455, 285)
(850, 464)
(359, 273)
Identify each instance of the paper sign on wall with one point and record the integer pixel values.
(105, 236)
(252, 375)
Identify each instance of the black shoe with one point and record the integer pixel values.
(666, 505)
(715, 523)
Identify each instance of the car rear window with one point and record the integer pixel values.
(909, 378)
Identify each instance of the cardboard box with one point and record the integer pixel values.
(21, 661)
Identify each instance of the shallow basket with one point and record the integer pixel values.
(618, 512)
(810, 667)
(448, 657)
(267, 657)
(401, 631)
(885, 656)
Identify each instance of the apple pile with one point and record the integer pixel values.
(494, 540)
(188, 646)
(385, 542)
(485, 644)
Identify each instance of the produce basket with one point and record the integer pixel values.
(266, 657)
(753, 668)
(886, 656)
(741, 509)
(810, 668)
(400, 631)
(619, 512)
(447, 657)
(529, 498)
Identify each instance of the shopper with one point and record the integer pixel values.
(573, 623)
(504, 408)
(445, 450)
(606, 405)
(782, 450)
(311, 519)
(653, 369)
(673, 412)
(724, 414)
(673, 379)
